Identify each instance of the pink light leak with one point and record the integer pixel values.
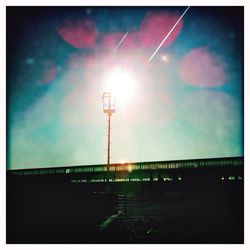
(79, 34)
(131, 41)
(111, 40)
(155, 26)
(104, 62)
(49, 72)
(153, 29)
(201, 68)
(82, 104)
(76, 60)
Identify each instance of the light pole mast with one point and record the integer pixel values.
(109, 109)
(109, 118)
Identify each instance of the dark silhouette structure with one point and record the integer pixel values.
(190, 201)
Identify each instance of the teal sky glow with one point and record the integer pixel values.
(187, 102)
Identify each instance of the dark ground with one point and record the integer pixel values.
(50, 209)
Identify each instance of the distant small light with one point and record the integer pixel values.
(130, 168)
(239, 177)
(165, 58)
(231, 178)
(179, 178)
(167, 179)
(223, 178)
(30, 61)
(88, 11)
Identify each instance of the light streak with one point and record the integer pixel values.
(119, 43)
(169, 33)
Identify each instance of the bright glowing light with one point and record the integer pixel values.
(121, 84)
(130, 168)
(165, 58)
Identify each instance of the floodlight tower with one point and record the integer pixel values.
(109, 109)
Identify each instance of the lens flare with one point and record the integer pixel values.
(130, 168)
(121, 84)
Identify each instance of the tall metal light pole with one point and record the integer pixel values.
(109, 109)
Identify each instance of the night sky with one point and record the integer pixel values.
(187, 101)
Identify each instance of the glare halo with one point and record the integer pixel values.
(121, 84)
